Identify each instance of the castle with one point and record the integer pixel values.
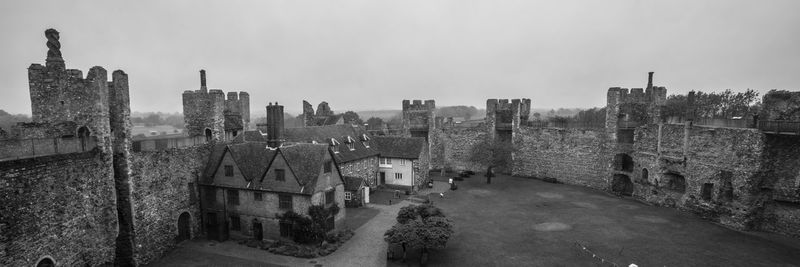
(77, 190)
(744, 178)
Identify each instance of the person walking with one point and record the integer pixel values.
(489, 175)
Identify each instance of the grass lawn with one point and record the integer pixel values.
(526, 222)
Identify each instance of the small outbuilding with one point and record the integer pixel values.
(355, 192)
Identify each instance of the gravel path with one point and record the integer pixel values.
(367, 247)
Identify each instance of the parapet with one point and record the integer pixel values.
(419, 105)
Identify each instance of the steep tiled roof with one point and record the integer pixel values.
(323, 134)
(217, 153)
(249, 136)
(306, 161)
(400, 147)
(325, 120)
(253, 159)
(353, 183)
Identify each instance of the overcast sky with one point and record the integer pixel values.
(362, 55)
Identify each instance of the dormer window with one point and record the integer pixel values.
(365, 140)
(335, 145)
(351, 143)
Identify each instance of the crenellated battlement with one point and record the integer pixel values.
(505, 114)
(419, 105)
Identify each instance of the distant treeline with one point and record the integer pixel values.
(7, 119)
(158, 118)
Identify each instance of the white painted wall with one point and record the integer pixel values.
(401, 166)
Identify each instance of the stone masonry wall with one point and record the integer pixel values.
(164, 186)
(571, 156)
(459, 144)
(781, 174)
(366, 168)
(60, 206)
(727, 161)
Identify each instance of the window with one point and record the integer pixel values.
(228, 170)
(192, 193)
(365, 140)
(286, 229)
(258, 196)
(705, 191)
(327, 166)
(402, 162)
(385, 161)
(285, 202)
(233, 197)
(236, 225)
(335, 145)
(398, 176)
(280, 175)
(348, 196)
(329, 196)
(351, 146)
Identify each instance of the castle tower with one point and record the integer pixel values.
(204, 111)
(91, 106)
(629, 109)
(274, 125)
(63, 96)
(502, 115)
(308, 113)
(244, 108)
(418, 118)
(503, 119)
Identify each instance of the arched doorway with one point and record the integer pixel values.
(209, 135)
(645, 176)
(258, 230)
(46, 262)
(621, 184)
(184, 227)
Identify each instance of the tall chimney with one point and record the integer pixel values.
(274, 125)
(649, 80)
(203, 81)
(54, 59)
(689, 113)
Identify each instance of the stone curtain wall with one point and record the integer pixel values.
(570, 156)
(161, 192)
(459, 144)
(725, 160)
(436, 149)
(59, 206)
(782, 175)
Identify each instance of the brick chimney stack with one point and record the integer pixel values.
(274, 125)
(203, 81)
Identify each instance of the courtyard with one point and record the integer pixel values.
(527, 222)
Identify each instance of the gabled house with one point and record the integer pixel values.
(352, 148)
(245, 185)
(355, 194)
(403, 162)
